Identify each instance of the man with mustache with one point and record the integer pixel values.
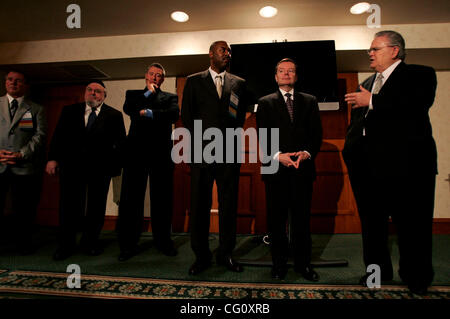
(392, 161)
(85, 150)
(23, 131)
(217, 99)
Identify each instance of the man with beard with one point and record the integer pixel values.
(216, 99)
(85, 149)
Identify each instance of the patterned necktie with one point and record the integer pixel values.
(91, 118)
(378, 84)
(219, 85)
(376, 88)
(13, 108)
(290, 106)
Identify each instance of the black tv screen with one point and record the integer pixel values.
(316, 67)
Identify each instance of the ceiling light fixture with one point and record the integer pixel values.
(179, 16)
(360, 7)
(268, 12)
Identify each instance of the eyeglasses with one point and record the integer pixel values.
(96, 91)
(375, 49)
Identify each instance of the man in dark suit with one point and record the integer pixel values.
(152, 112)
(23, 131)
(392, 161)
(216, 99)
(85, 148)
(296, 115)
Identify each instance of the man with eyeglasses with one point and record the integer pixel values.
(85, 150)
(147, 157)
(392, 161)
(23, 132)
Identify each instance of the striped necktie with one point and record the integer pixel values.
(13, 108)
(290, 106)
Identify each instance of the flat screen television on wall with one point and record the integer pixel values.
(316, 68)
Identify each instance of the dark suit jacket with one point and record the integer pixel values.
(98, 150)
(201, 102)
(304, 134)
(398, 137)
(150, 138)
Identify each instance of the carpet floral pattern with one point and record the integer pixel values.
(93, 286)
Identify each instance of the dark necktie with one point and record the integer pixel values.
(13, 108)
(91, 118)
(290, 106)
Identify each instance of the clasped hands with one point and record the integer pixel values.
(359, 99)
(9, 157)
(293, 159)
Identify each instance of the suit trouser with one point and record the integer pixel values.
(293, 194)
(131, 206)
(25, 192)
(202, 180)
(374, 219)
(82, 206)
(409, 200)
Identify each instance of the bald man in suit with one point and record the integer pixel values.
(217, 98)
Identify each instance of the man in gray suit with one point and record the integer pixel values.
(23, 131)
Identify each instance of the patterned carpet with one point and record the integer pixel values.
(32, 284)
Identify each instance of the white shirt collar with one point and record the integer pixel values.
(283, 92)
(18, 99)
(88, 109)
(386, 73)
(214, 74)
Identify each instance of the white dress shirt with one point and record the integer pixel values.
(88, 110)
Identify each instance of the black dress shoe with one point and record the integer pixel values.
(308, 273)
(418, 289)
(94, 251)
(63, 253)
(278, 272)
(363, 279)
(230, 263)
(198, 267)
(168, 250)
(127, 254)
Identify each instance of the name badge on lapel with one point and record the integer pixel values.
(234, 102)
(26, 122)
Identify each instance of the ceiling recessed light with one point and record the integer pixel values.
(268, 12)
(360, 7)
(179, 16)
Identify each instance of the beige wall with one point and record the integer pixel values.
(440, 120)
(116, 98)
(168, 44)
(431, 35)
